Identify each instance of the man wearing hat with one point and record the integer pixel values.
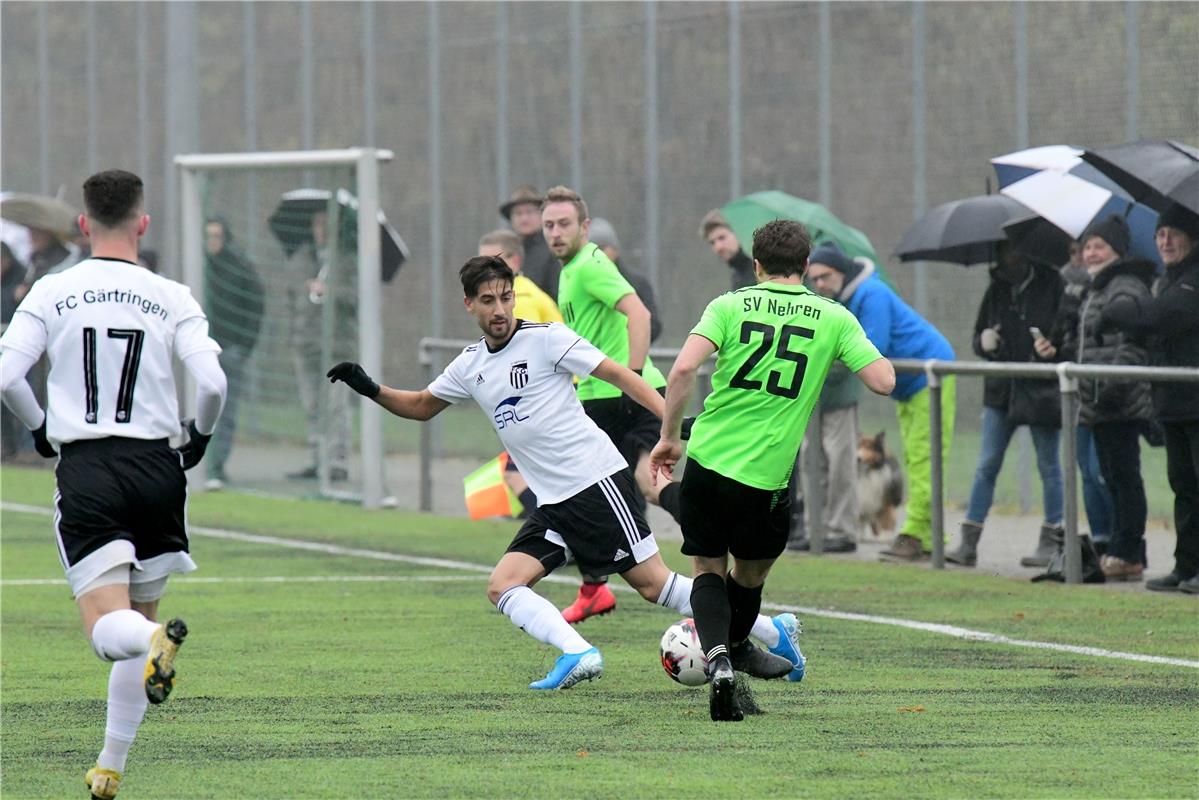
(898, 332)
(523, 211)
(1172, 318)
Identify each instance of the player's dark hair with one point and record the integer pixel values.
(483, 269)
(782, 247)
(112, 197)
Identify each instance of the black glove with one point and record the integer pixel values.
(685, 433)
(197, 443)
(42, 444)
(354, 376)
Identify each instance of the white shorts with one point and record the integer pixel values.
(115, 563)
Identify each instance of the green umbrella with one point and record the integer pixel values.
(747, 214)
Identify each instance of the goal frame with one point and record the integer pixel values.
(193, 170)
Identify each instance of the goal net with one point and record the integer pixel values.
(287, 253)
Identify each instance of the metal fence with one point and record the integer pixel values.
(432, 353)
(657, 112)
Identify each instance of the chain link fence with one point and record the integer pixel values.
(656, 112)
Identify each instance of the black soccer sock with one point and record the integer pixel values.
(745, 605)
(668, 498)
(710, 608)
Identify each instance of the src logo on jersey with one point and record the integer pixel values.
(505, 413)
(518, 376)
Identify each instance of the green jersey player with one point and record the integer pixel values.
(775, 343)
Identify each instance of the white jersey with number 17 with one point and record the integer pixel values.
(111, 329)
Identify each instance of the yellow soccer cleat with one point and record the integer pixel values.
(104, 783)
(160, 661)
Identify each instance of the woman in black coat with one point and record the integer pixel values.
(1117, 411)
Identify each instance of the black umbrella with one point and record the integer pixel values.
(1159, 173)
(961, 231)
(291, 223)
(1039, 239)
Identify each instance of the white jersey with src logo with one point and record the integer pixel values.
(110, 329)
(526, 388)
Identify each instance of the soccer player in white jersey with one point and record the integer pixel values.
(520, 374)
(111, 329)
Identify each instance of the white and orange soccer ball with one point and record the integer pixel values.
(682, 655)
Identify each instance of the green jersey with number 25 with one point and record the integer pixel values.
(775, 345)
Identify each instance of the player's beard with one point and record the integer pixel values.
(571, 249)
(499, 328)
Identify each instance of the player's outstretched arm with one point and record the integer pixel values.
(679, 388)
(879, 376)
(421, 406)
(631, 384)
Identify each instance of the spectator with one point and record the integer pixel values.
(12, 275)
(1020, 302)
(234, 300)
(898, 332)
(523, 211)
(1115, 410)
(312, 262)
(1096, 498)
(1172, 319)
(715, 230)
(838, 413)
(603, 235)
(49, 254)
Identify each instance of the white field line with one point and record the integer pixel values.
(928, 627)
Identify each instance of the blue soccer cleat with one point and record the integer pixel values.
(788, 647)
(570, 669)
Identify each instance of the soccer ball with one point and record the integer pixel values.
(682, 656)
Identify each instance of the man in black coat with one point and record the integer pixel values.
(1021, 302)
(523, 212)
(234, 300)
(1172, 319)
(715, 230)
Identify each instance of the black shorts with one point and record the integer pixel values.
(600, 528)
(632, 427)
(120, 489)
(720, 515)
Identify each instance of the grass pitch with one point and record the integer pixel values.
(352, 676)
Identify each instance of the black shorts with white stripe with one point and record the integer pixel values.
(117, 488)
(600, 528)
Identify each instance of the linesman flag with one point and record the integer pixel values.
(486, 493)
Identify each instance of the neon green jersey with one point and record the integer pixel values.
(589, 288)
(775, 345)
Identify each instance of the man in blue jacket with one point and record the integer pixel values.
(898, 332)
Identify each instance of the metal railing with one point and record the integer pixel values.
(1066, 374)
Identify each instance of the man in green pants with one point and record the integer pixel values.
(898, 332)
(600, 305)
(775, 343)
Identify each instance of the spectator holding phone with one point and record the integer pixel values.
(1021, 300)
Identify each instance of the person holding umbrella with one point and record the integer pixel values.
(898, 332)
(714, 229)
(1116, 410)
(1172, 318)
(1022, 298)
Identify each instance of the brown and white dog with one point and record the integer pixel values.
(880, 484)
